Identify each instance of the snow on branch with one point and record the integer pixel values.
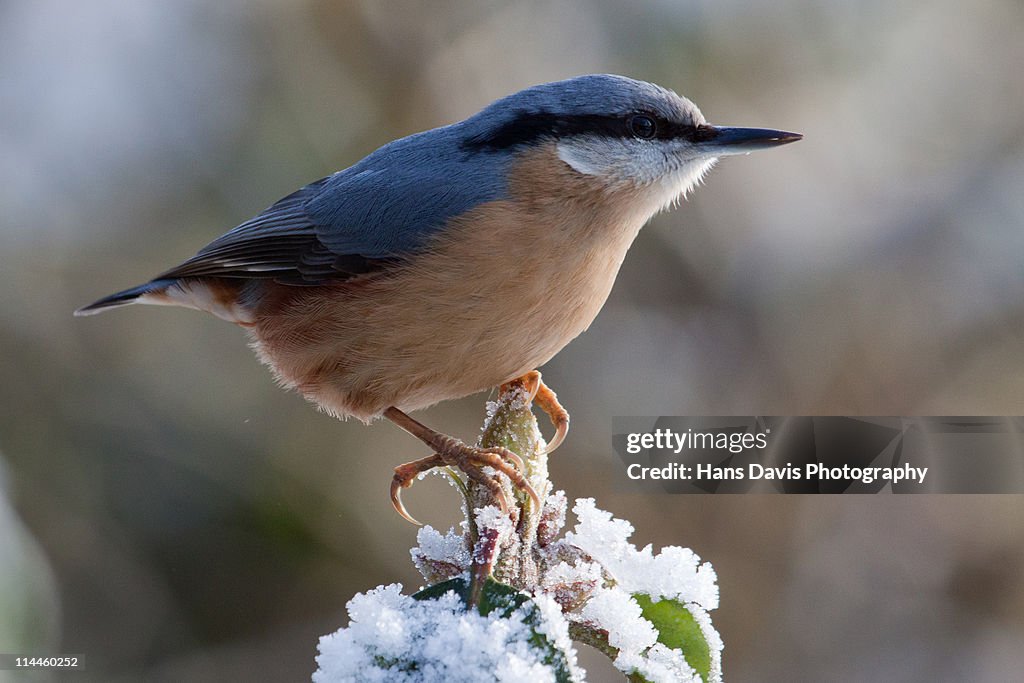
(507, 594)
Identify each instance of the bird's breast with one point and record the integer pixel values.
(525, 275)
(496, 293)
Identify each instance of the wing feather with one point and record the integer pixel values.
(360, 219)
(281, 243)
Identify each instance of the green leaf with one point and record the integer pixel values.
(460, 586)
(501, 597)
(678, 629)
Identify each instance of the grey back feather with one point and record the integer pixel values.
(384, 207)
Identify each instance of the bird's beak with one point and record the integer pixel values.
(743, 140)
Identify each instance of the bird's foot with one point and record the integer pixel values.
(470, 460)
(543, 396)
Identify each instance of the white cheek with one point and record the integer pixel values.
(616, 161)
(663, 180)
(582, 159)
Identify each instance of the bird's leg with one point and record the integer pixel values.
(542, 395)
(454, 453)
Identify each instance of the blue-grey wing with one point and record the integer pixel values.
(344, 225)
(279, 243)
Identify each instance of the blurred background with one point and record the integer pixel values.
(170, 514)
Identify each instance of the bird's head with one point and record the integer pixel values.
(617, 132)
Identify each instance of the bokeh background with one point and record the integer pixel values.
(169, 513)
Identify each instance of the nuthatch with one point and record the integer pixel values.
(457, 259)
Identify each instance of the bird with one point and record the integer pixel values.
(456, 259)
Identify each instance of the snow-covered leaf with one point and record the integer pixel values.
(677, 629)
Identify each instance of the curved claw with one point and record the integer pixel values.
(405, 475)
(531, 492)
(499, 494)
(491, 485)
(548, 402)
(396, 500)
(532, 382)
(517, 478)
(561, 430)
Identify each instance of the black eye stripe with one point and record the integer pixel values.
(529, 127)
(673, 130)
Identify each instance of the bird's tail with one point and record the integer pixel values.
(128, 296)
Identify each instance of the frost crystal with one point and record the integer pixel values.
(393, 637)
(676, 573)
(554, 626)
(438, 557)
(491, 517)
(552, 518)
(448, 548)
(617, 612)
(659, 665)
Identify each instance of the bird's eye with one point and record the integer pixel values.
(642, 126)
